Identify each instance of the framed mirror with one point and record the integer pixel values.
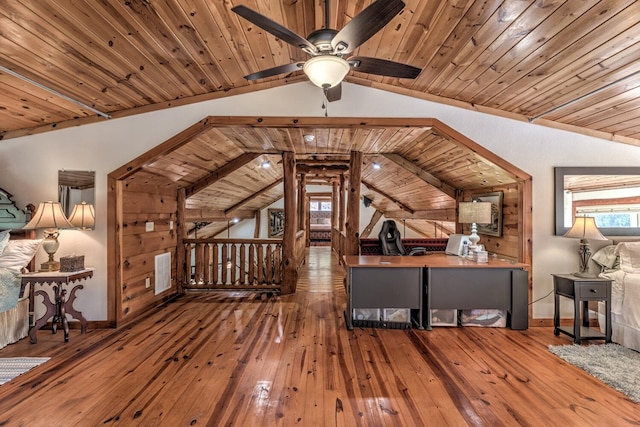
(74, 189)
(609, 194)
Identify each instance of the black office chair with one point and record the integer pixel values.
(390, 239)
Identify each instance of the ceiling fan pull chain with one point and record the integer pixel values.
(325, 102)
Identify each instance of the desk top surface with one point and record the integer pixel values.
(430, 261)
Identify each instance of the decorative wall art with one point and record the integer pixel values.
(276, 222)
(495, 227)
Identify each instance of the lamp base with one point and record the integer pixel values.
(50, 266)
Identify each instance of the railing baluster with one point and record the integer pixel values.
(233, 264)
(215, 263)
(206, 276)
(252, 268)
(260, 264)
(223, 264)
(243, 266)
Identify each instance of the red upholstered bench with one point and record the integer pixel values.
(372, 246)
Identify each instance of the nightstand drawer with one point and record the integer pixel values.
(592, 290)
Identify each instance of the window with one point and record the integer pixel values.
(320, 206)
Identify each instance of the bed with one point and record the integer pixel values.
(621, 264)
(17, 249)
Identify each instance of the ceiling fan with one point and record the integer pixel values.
(327, 66)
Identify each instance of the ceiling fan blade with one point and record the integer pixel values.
(274, 28)
(366, 24)
(334, 93)
(383, 67)
(280, 69)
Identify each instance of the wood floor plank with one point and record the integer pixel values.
(253, 359)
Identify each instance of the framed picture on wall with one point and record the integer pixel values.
(276, 222)
(495, 228)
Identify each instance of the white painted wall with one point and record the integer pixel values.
(30, 164)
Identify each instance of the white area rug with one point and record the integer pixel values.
(11, 367)
(612, 364)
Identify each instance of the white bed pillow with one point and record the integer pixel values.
(18, 253)
(629, 256)
(606, 256)
(4, 239)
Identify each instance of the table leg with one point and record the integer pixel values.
(585, 313)
(52, 310)
(63, 314)
(576, 319)
(75, 314)
(556, 314)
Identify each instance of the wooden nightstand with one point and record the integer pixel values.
(582, 290)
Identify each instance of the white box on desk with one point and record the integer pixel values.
(443, 317)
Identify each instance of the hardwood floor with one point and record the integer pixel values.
(253, 359)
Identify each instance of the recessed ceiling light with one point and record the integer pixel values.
(266, 164)
(309, 138)
(376, 165)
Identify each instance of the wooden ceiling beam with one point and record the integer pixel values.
(214, 215)
(448, 214)
(168, 146)
(321, 170)
(253, 196)
(374, 220)
(383, 194)
(225, 170)
(422, 174)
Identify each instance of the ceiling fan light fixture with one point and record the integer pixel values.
(326, 71)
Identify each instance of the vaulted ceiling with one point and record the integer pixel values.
(413, 168)
(563, 63)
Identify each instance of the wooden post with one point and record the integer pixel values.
(335, 204)
(302, 202)
(341, 204)
(290, 271)
(181, 274)
(256, 230)
(352, 225)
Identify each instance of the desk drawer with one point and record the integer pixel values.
(592, 290)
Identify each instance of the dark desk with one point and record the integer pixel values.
(59, 308)
(437, 281)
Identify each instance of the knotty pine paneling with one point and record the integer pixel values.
(139, 247)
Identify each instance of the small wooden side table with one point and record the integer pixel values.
(582, 290)
(59, 308)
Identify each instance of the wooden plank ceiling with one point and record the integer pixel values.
(411, 171)
(565, 63)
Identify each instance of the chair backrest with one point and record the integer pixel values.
(390, 239)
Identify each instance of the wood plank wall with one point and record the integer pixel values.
(142, 204)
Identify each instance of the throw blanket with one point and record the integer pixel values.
(625, 296)
(9, 289)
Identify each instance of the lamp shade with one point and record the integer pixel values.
(584, 227)
(326, 71)
(83, 216)
(474, 212)
(48, 215)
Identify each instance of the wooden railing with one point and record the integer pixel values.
(301, 247)
(236, 264)
(337, 242)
